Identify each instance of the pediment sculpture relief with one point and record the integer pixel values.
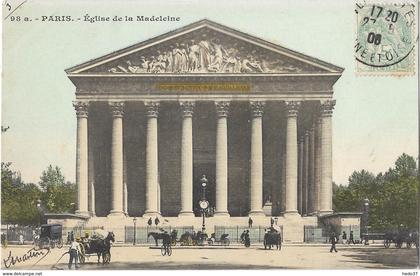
(205, 56)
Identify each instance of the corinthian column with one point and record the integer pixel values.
(256, 185)
(222, 109)
(291, 157)
(305, 173)
(300, 174)
(311, 172)
(317, 170)
(326, 156)
(117, 109)
(187, 160)
(152, 174)
(82, 157)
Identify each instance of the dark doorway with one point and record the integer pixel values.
(200, 169)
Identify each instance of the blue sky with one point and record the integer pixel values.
(375, 119)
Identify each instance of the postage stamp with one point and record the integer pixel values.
(385, 38)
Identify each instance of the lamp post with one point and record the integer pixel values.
(40, 210)
(366, 213)
(204, 204)
(134, 222)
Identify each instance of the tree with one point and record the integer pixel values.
(58, 195)
(392, 195)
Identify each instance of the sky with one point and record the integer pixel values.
(374, 121)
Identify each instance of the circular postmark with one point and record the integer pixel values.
(385, 35)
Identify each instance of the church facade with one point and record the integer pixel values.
(255, 118)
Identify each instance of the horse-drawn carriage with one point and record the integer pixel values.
(99, 244)
(400, 237)
(50, 236)
(224, 240)
(272, 238)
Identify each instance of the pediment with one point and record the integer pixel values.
(204, 47)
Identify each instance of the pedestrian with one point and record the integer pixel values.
(157, 221)
(243, 236)
(333, 240)
(250, 222)
(149, 222)
(21, 240)
(74, 250)
(351, 238)
(344, 237)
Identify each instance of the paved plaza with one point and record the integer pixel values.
(290, 257)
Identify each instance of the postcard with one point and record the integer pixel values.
(203, 135)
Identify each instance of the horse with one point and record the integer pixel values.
(165, 237)
(272, 238)
(102, 247)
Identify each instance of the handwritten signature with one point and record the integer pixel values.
(31, 253)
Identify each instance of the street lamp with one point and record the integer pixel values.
(366, 212)
(134, 222)
(40, 209)
(204, 204)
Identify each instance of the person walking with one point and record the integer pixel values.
(351, 238)
(74, 250)
(250, 222)
(333, 240)
(344, 237)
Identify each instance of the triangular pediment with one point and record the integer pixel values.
(204, 47)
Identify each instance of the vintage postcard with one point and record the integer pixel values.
(202, 135)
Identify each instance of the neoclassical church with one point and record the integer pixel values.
(254, 117)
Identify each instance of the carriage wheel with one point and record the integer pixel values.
(226, 242)
(163, 250)
(60, 243)
(169, 250)
(386, 243)
(106, 258)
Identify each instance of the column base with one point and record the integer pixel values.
(256, 213)
(186, 214)
(115, 213)
(82, 213)
(149, 213)
(221, 214)
(291, 213)
(325, 212)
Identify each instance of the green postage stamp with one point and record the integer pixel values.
(386, 38)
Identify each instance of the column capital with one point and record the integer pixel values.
(187, 108)
(257, 108)
(152, 108)
(302, 139)
(117, 108)
(222, 108)
(327, 107)
(82, 108)
(292, 108)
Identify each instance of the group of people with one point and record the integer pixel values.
(335, 238)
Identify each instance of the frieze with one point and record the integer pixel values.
(204, 51)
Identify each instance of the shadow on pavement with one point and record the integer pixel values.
(389, 258)
(168, 266)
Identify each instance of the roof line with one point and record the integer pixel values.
(197, 25)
